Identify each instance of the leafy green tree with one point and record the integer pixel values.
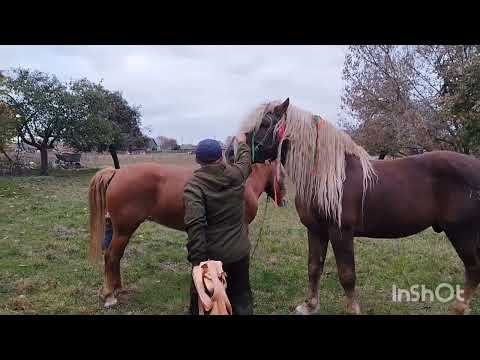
(7, 124)
(7, 128)
(103, 120)
(42, 104)
(460, 98)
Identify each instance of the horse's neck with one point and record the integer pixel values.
(258, 179)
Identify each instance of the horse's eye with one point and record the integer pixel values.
(266, 121)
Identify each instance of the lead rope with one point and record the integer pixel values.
(253, 147)
(261, 227)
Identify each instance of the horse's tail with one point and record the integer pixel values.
(98, 206)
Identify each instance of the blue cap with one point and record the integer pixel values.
(208, 150)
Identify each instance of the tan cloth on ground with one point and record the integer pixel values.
(210, 282)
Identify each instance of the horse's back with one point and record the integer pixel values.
(442, 158)
(458, 187)
(148, 190)
(412, 193)
(448, 166)
(463, 168)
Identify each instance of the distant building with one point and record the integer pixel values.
(165, 144)
(137, 151)
(188, 148)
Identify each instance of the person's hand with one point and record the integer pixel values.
(241, 137)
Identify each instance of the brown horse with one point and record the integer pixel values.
(154, 192)
(341, 194)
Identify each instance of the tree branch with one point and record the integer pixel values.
(445, 141)
(52, 141)
(32, 138)
(24, 139)
(2, 150)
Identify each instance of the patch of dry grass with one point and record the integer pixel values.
(94, 160)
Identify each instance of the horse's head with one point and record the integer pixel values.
(276, 186)
(271, 173)
(265, 140)
(272, 177)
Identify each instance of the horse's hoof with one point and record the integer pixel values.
(101, 294)
(306, 309)
(110, 301)
(353, 309)
(460, 308)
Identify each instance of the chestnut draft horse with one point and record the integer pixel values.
(154, 192)
(342, 193)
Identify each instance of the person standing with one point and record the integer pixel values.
(214, 211)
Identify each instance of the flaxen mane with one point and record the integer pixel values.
(317, 179)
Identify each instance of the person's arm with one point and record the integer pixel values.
(195, 224)
(244, 159)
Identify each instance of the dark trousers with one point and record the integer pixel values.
(238, 288)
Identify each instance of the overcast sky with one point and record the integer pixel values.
(195, 92)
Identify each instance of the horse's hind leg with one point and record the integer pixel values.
(342, 244)
(317, 252)
(467, 245)
(113, 255)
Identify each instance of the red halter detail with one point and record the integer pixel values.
(280, 135)
(319, 122)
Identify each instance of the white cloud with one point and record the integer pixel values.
(193, 92)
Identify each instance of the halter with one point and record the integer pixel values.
(273, 127)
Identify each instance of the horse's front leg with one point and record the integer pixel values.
(342, 244)
(317, 252)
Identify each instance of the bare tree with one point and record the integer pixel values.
(397, 99)
(379, 101)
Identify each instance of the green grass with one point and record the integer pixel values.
(44, 268)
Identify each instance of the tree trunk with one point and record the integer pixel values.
(6, 155)
(44, 160)
(382, 155)
(113, 152)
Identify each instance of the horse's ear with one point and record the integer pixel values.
(282, 108)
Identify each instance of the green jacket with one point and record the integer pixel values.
(214, 210)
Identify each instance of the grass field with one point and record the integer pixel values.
(44, 269)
